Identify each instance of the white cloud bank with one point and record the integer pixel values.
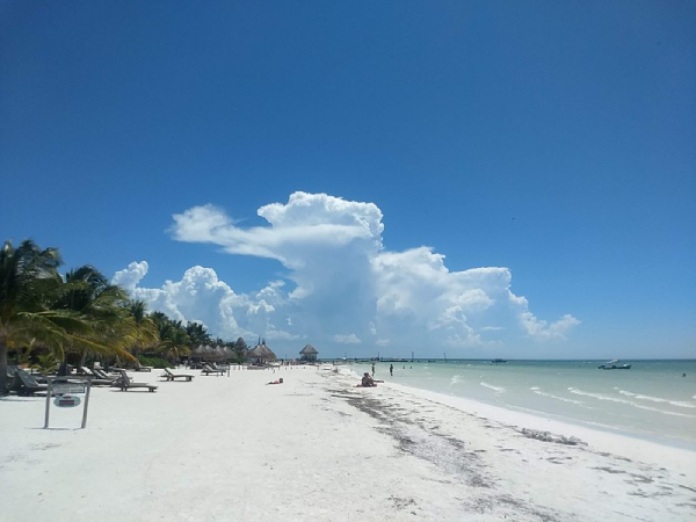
(346, 291)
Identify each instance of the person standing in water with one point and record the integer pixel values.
(373, 369)
(391, 370)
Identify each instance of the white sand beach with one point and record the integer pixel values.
(318, 448)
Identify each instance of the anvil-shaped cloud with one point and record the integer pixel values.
(343, 289)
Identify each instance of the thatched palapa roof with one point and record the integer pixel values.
(262, 353)
(208, 352)
(309, 350)
(201, 350)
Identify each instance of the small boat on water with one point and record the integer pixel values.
(498, 361)
(614, 365)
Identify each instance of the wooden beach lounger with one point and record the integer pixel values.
(124, 382)
(97, 380)
(105, 375)
(172, 376)
(207, 370)
(24, 384)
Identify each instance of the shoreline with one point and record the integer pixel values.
(639, 463)
(516, 419)
(631, 413)
(538, 417)
(234, 448)
(513, 418)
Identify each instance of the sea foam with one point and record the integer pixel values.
(496, 389)
(680, 404)
(538, 391)
(603, 397)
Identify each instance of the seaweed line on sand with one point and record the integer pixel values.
(448, 454)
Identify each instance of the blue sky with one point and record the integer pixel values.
(484, 179)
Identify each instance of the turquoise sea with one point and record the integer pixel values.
(654, 400)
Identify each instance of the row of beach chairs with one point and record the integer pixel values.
(120, 380)
(25, 384)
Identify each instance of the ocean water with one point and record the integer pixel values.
(654, 400)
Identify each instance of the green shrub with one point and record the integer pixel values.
(155, 362)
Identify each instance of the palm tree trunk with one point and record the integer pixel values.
(3, 368)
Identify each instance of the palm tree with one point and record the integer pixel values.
(174, 340)
(28, 280)
(176, 343)
(240, 350)
(87, 293)
(39, 308)
(197, 333)
(145, 331)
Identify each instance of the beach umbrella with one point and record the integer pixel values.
(198, 352)
(220, 353)
(205, 352)
(227, 353)
(211, 353)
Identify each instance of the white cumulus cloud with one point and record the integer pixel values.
(341, 286)
(129, 278)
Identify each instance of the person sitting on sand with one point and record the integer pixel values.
(368, 381)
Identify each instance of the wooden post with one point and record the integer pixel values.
(84, 409)
(48, 401)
